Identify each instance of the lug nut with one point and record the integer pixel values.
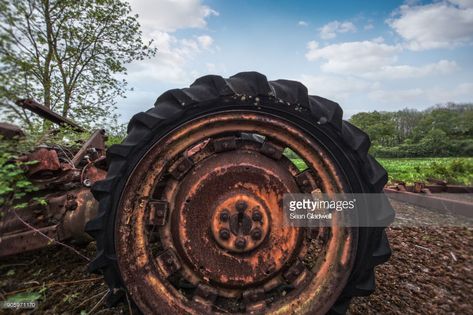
(240, 243)
(241, 205)
(224, 234)
(224, 216)
(256, 234)
(256, 216)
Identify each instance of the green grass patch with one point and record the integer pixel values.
(454, 170)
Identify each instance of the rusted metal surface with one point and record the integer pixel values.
(200, 227)
(47, 163)
(10, 131)
(47, 113)
(28, 240)
(64, 187)
(437, 187)
(94, 147)
(430, 197)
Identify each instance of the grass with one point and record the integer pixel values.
(454, 170)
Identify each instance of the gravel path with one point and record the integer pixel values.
(430, 272)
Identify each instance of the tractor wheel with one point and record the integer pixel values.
(190, 218)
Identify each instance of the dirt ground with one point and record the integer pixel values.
(430, 272)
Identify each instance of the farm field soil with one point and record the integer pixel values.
(430, 272)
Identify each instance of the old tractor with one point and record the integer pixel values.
(187, 211)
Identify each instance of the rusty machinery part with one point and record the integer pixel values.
(48, 114)
(430, 196)
(63, 181)
(63, 218)
(190, 215)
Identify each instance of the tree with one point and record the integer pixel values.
(379, 126)
(406, 120)
(67, 54)
(443, 130)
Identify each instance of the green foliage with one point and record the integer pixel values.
(295, 159)
(453, 170)
(25, 297)
(69, 298)
(440, 131)
(116, 134)
(14, 184)
(379, 126)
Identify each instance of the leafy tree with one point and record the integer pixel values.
(67, 54)
(443, 130)
(406, 120)
(379, 126)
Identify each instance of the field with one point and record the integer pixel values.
(457, 170)
(454, 170)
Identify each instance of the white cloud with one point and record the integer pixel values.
(172, 58)
(170, 15)
(352, 57)
(463, 92)
(368, 27)
(433, 95)
(407, 71)
(160, 19)
(302, 23)
(463, 3)
(331, 29)
(205, 41)
(437, 25)
(371, 60)
(334, 87)
(396, 96)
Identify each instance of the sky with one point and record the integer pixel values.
(365, 55)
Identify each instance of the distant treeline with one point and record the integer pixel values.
(442, 130)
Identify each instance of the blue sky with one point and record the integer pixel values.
(366, 55)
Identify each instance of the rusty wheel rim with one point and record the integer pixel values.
(200, 228)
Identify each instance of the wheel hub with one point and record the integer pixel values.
(240, 222)
(234, 240)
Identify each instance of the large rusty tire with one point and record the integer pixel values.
(188, 216)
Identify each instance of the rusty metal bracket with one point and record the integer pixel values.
(181, 167)
(168, 262)
(157, 212)
(271, 150)
(306, 182)
(296, 270)
(205, 294)
(47, 113)
(96, 141)
(224, 144)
